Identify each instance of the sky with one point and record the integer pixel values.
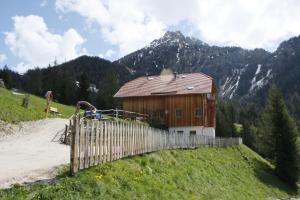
(36, 33)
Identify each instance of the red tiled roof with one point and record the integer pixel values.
(194, 83)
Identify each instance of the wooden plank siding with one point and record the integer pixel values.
(163, 109)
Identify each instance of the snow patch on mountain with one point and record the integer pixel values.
(235, 87)
(232, 83)
(258, 69)
(269, 73)
(257, 84)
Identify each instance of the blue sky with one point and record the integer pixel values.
(56, 23)
(35, 33)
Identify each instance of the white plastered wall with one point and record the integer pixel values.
(200, 130)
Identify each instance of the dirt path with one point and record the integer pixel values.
(32, 151)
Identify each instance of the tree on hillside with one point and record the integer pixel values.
(225, 119)
(248, 113)
(5, 75)
(265, 138)
(110, 85)
(11, 78)
(249, 135)
(84, 84)
(284, 132)
(248, 118)
(68, 89)
(34, 83)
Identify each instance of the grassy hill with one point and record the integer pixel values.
(12, 111)
(203, 173)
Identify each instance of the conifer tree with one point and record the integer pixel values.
(265, 138)
(110, 85)
(225, 120)
(84, 84)
(284, 133)
(249, 135)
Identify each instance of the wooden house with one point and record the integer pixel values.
(183, 103)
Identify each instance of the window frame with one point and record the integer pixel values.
(201, 112)
(180, 111)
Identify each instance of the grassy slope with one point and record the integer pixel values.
(203, 173)
(12, 111)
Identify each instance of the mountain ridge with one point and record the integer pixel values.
(241, 75)
(186, 54)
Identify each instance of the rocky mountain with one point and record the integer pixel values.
(241, 74)
(238, 72)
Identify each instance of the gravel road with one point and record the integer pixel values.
(30, 151)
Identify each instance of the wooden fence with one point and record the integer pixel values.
(124, 114)
(96, 142)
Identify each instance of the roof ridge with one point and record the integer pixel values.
(145, 76)
(143, 86)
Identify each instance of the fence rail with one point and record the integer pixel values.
(96, 142)
(117, 113)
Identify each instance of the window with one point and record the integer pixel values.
(178, 113)
(198, 112)
(193, 132)
(180, 132)
(161, 113)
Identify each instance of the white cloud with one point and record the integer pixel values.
(132, 24)
(22, 67)
(109, 54)
(2, 58)
(122, 23)
(256, 23)
(31, 41)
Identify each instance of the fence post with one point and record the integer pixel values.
(92, 143)
(110, 140)
(81, 146)
(117, 146)
(86, 155)
(121, 134)
(127, 139)
(106, 141)
(74, 146)
(96, 154)
(131, 139)
(138, 133)
(117, 114)
(100, 159)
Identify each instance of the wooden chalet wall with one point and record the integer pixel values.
(163, 109)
